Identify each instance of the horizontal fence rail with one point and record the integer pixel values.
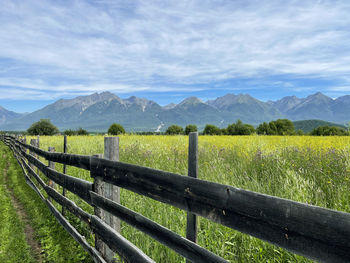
(314, 232)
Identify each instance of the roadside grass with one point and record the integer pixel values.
(57, 245)
(13, 246)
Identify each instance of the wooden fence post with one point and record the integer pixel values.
(37, 156)
(111, 152)
(191, 231)
(33, 142)
(52, 166)
(25, 142)
(64, 169)
(98, 189)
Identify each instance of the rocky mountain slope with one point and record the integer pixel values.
(97, 111)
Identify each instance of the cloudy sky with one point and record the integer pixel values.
(169, 50)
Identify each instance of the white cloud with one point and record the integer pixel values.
(340, 89)
(125, 44)
(27, 89)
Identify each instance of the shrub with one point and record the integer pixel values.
(210, 129)
(190, 128)
(42, 127)
(69, 132)
(116, 129)
(239, 128)
(328, 131)
(81, 131)
(299, 132)
(174, 129)
(278, 127)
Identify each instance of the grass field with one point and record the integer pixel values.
(55, 243)
(314, 170)
(13, 246)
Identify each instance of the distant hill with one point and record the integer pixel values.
(96, 112)
(308, 125)
(244, 107)
(7, 116)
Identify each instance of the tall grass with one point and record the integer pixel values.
(56, 243)
(13, 245)
(314, 170)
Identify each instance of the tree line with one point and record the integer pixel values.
(276, 127)
(45, 127)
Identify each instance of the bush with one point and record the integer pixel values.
(224, 131)
(299, 132)
(264, 129)
(81, 131)
(116, 129)
(174, 129)
(69, 132)
(278, 127)
(239, 128)
(328, 131)
(210, 129)
(190, 128)
(42, 127)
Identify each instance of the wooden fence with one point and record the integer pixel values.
(314, 232)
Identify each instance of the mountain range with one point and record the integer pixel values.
(97, 111)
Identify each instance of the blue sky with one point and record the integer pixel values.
(169, 50)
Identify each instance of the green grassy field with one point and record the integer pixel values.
(56, 243)
(314, 170)
(13, 246)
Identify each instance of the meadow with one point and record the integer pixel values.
(313, 170)
(13, 246)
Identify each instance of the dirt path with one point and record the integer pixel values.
(28, 229)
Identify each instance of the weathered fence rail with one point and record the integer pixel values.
(317, 233)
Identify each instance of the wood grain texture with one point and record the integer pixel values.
(314, 232)
(75, 234)
(118, 243)
(191, 226)
(184, 247)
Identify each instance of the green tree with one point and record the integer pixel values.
(116, 129)
(174, 129)
(328, 131)
(285, 127)
(273, 128)
(190, 128)
(299, 132)
(278, 127)
(224, 131)
(239, 128)
(264, 128)
(210, 129)
(42, 127)
(69, 132)
(82, 131)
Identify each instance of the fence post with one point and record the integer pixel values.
(64, 170)
(111, 152)
(191, 231)
(98, 189)
(25, 142)
(37, 156)
(52, 166)
(33, 142)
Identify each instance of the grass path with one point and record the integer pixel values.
(22, 215)
(25, 219)
(17, 241)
